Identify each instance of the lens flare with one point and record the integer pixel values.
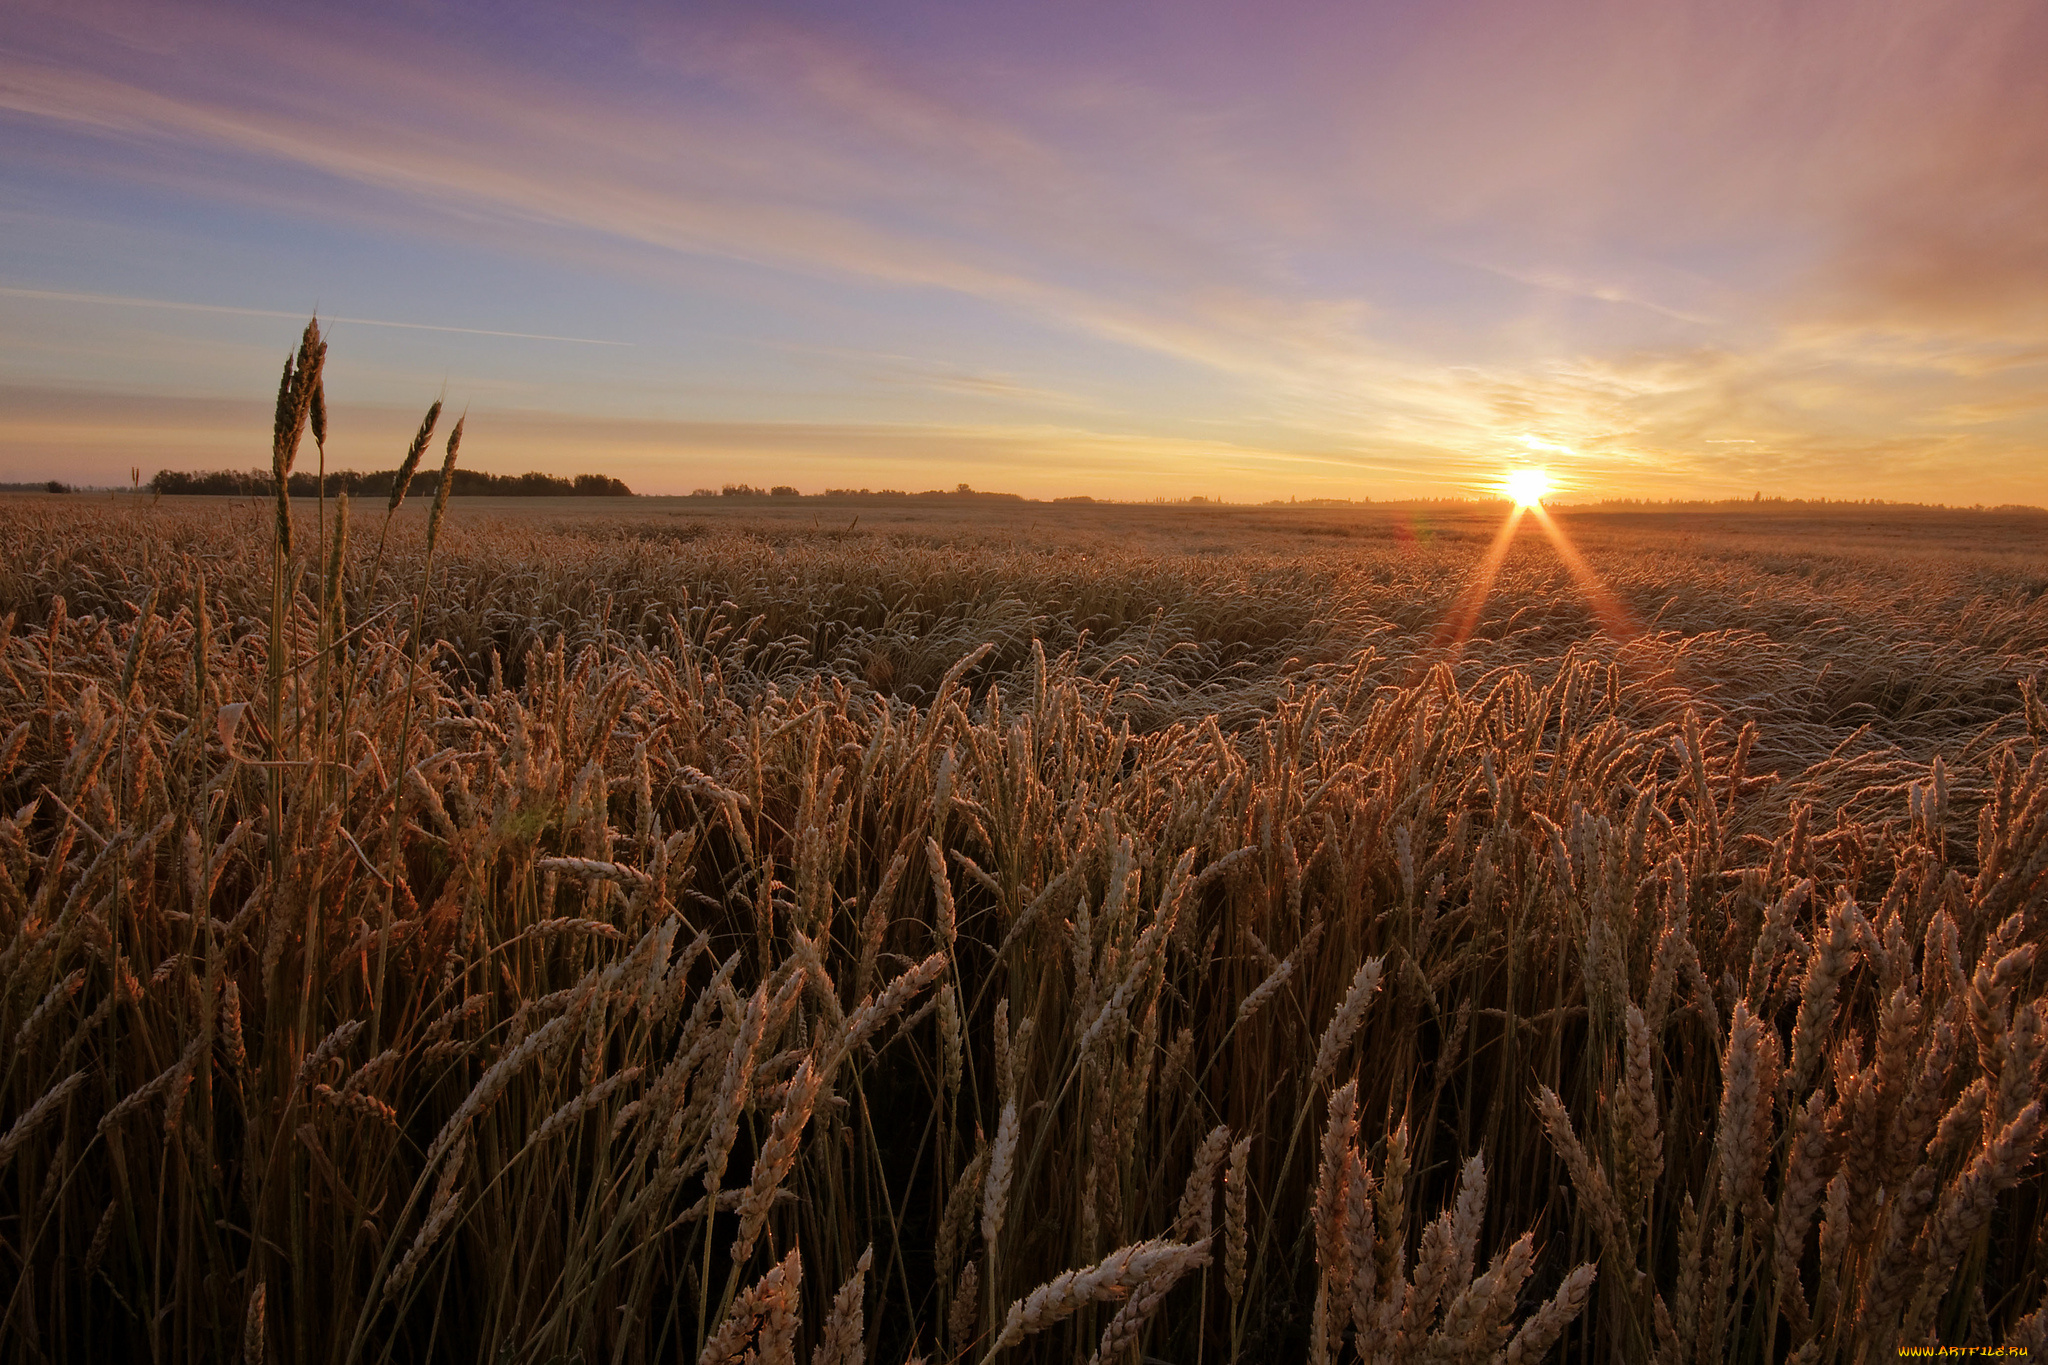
(1526, 486)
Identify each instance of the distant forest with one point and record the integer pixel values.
(783, 490)
(468, 483)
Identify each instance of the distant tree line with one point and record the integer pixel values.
(1760, 500)
(746, 490)
(468, 483)
(783, 490)
(44, 486)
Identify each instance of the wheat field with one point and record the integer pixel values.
(642, 937)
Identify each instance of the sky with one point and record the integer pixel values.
(1379, 248)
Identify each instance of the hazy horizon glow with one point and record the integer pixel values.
(1373, 249)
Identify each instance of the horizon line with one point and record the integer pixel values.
(764, 496)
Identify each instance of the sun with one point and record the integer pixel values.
(1526, 486)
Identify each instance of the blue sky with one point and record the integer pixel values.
(1359, 249)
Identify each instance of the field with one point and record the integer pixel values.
(661, 930)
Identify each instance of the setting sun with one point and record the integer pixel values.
(1526, 486)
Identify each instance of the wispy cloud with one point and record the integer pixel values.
(694, 181)
(58, 296)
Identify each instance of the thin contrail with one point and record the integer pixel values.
(275, 313)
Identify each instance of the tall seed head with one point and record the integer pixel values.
(995, 1194)
(951, 1054)
(297, 391)
(1197, 1198)
(1234, 1217)
(284, 440)
(281, 423)
(253, 1352)
(447, 481)
(1332, 1251)
(338, 553)
(412, 457)
(1739, 1077)
(1344, 1024)
(778, 1154)
(1004, 1073)
(965, 1314)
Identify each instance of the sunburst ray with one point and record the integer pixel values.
(1457, 627)
(1614, 618)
